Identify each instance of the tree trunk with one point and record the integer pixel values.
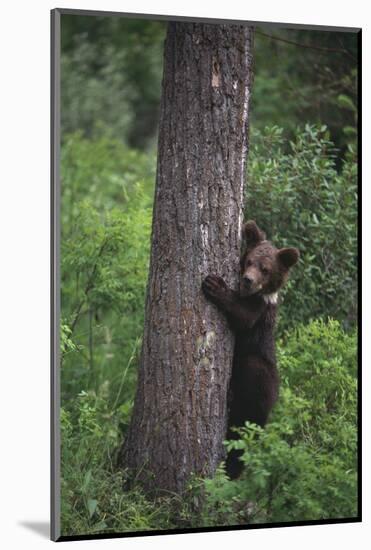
(180, 411)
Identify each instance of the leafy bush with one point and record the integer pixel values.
(296, 84)
(85, 101)
(94, 493)
(93, 496)
(111, 77)
(303, 465)
(300, 199)
(104, 172)
(106, 222)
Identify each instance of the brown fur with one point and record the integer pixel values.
(252, 314)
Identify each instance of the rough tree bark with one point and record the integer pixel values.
(180, 411)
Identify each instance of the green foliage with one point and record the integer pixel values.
(303, 465)
(104, 172)
(305, 76)
(94, 493)
(66, 343)
(111, 70)
(85, 101)
(106, 217)
(93, 496)
(300, 199)
(106, 220)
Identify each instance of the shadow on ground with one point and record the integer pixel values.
(42, 528)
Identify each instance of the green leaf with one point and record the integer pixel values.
(92, 506)
(345, 102)
(86, 482)
(100, 526)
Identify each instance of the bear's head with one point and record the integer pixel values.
(264, 268)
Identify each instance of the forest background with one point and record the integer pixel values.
(301, 187)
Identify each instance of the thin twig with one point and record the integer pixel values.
(125, 371)
(91, 347)
(311, 47)
(88, 287)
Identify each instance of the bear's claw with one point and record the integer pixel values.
(213, 285)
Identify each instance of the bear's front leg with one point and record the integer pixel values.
(216, 289)
(242, 313)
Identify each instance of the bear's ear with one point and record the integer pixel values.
(253, 234)
(288, 257)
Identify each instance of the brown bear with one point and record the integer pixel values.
(251, 312)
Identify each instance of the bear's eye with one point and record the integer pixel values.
(264, 270)
(248, 263)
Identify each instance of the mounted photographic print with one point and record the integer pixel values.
(204, 283)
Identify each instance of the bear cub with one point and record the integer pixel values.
(251, 312)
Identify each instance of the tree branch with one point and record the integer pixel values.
(307, 46)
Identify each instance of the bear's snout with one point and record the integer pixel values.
(247, 281)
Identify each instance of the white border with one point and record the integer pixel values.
(24, 218)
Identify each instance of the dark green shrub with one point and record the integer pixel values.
(301, 200)
(106, 223)
(93, 496)
(303, 465)
(111, 77)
